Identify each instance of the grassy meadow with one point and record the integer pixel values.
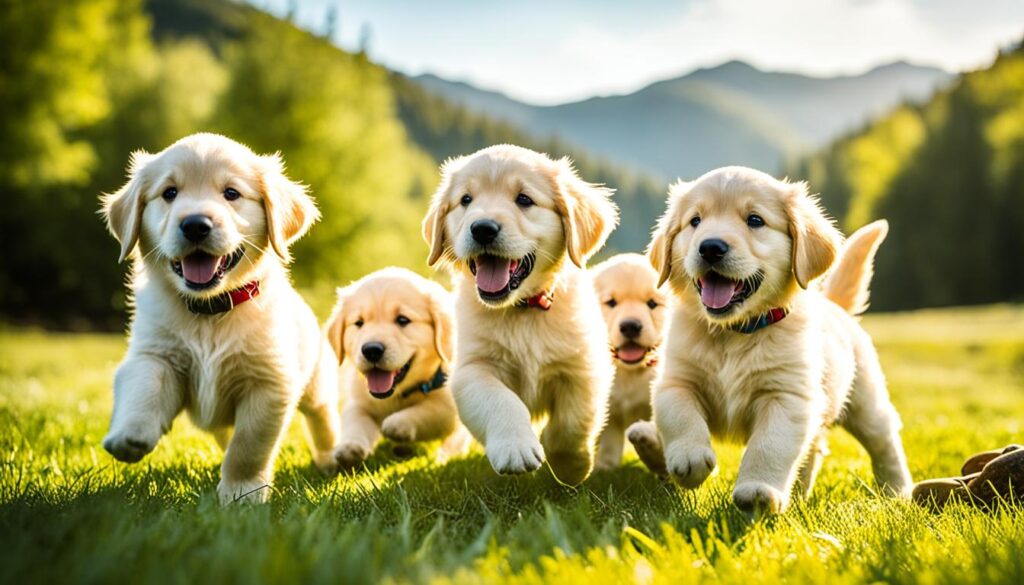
(70, 513)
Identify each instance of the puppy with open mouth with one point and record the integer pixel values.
(218, 329)
(516, 228)
(758, 349)
(634, 310)
(393, 336)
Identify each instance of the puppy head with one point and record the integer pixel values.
(738, 242)
(510, 216)
(204, 212)
(632, 305)
(396, 328)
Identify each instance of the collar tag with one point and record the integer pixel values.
(541, 300)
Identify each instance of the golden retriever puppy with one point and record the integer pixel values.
(634, 310)
(392, 333)
(218, 329)
(755, 351)
(517, 228)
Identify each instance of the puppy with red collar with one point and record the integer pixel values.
(634, 310)
(218, 329)
(759, 350)
(517, 228)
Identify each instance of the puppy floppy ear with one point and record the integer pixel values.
(335, 327)
(441, 314)
(290, 210)
(588, 214)
(659, 250)
(816, 240)
(123, 209)
(433, 223)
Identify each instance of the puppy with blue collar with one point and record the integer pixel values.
(393, 337)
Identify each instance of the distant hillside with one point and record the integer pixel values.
(730, 114)
(949, 177)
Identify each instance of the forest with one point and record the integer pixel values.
(86, 82)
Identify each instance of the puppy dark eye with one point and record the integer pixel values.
(170, 193)
(358, 323)
(695, 221)
(402, 320)
(611, 303)
(652, 304)
(524, 201)
(466, 200)
(231, 194)
(755, 221)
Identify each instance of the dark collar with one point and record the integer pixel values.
(541, 300)
(224, 302)
(429, 386)
(761, 321)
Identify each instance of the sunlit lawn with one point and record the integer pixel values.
(70, 513)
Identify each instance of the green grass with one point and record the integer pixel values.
(68, 511)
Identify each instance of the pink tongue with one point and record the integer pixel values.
(631, 353)
(199, 268)
(380, 381)
(716, 292)
(492, 273)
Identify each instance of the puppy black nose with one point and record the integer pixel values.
(196, 227)
(373, 351)
(630, 328)
(713, 250)
(484, 231)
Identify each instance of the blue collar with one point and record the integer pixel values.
(429, 386)
(761, 321)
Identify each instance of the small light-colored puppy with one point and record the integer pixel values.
(392, 333)
(755, 351)
(218, 329)
(517, 229)
(634, 310)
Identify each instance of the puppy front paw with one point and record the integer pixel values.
(325, 461)
(644, 437)
(249, 491)
(351, 454)
(690, 465)
(398, 428)
(131, 445)
(512, 457)
(757, 498)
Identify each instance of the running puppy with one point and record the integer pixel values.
(756, 352)
(218, 329)
(392, 334)
(517, 228)
(634, 309)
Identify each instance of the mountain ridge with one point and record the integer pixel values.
(731, 113)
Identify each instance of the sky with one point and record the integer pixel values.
(550, 52)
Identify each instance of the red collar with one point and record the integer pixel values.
(224, 302)
(541, 300)
(761, 321)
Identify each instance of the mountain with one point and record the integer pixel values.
(949, 176)
(730, 114)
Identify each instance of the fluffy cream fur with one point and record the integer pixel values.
(239, 374)
(779, 388)
(370, 310)
(513, 364)
(627, 287)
